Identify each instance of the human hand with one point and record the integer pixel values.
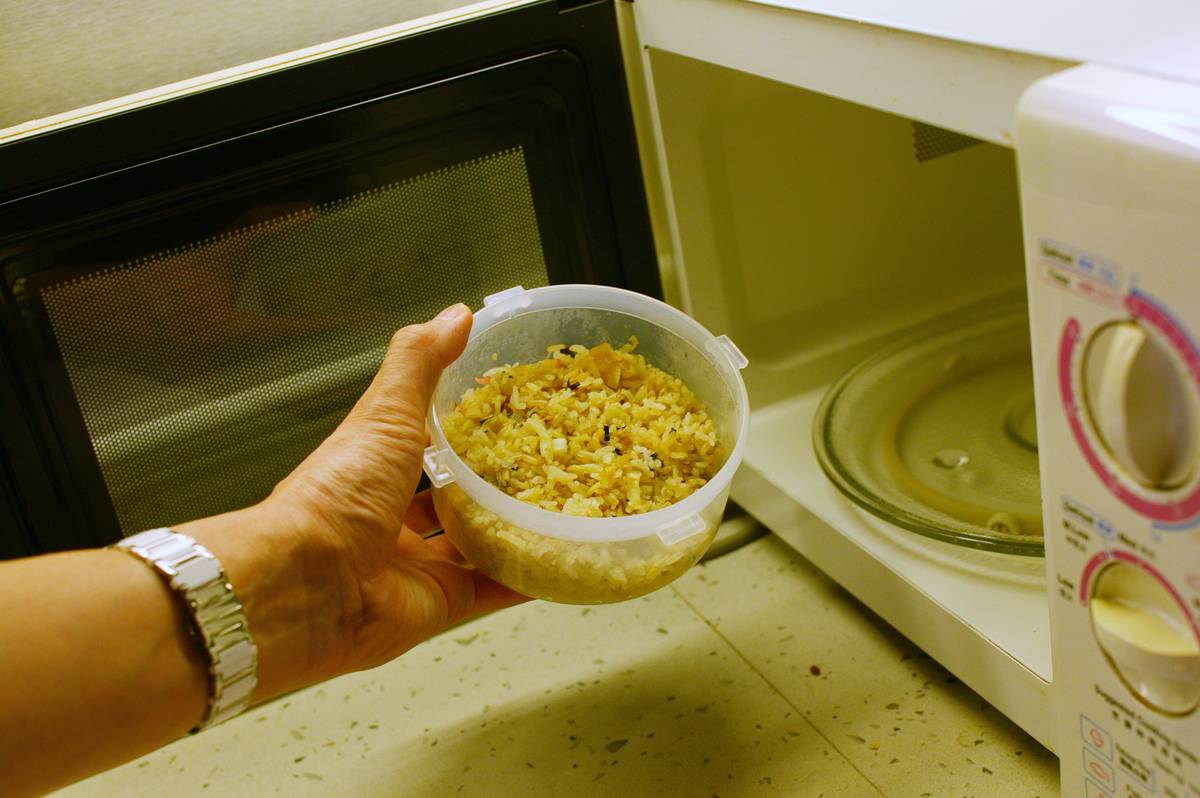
(332, 568)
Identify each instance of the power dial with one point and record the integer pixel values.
(1141, 405)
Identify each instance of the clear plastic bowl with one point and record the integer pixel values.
(567, 558)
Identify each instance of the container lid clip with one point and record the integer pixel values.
(435, 467)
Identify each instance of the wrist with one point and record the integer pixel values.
(285, 575)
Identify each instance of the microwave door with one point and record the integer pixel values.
(195, 291)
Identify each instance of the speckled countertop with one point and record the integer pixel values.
(752, 675)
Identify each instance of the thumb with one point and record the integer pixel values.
(375, 453)
(373, 459)
(416, 356)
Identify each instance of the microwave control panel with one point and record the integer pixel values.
(1110, 182)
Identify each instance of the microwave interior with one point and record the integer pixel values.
(811, 229)
(817, 232)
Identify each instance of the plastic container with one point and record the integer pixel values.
(567, 558)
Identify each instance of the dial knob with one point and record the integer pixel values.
(1147, 636)
(1141, 405)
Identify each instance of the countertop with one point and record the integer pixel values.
(752, 675)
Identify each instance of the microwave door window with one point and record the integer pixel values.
(205, 372)
(196, 290)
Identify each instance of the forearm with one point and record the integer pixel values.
(96, 667)
(332, 570)
(96, 662)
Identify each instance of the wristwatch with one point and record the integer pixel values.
(217, 617)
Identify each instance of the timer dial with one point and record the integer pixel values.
(1141, 405)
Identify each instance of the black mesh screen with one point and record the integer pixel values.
(931, 142)
(205, 373)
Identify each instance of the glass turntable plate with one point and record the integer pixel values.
(936, 433)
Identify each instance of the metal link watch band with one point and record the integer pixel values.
(194, 573)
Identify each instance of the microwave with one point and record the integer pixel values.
(202, 258)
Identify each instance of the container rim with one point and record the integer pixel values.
(664, 522)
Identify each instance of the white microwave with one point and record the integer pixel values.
(824, 182)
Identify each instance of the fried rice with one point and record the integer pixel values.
(593, 432)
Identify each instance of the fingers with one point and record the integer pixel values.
(491, 596)
(467, 592)
(412, 546)
(441, 548)
(421, 516)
